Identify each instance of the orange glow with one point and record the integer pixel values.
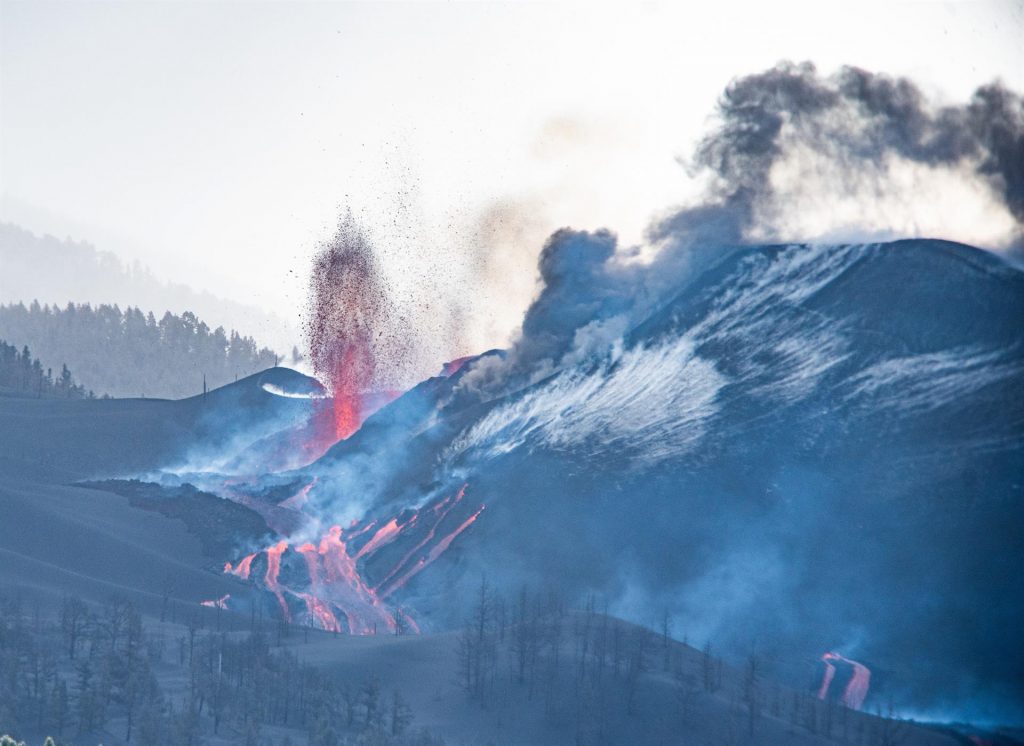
(220, 603)
(442, 509)
(337, 597)
(242, 569)
(856, 690)
(384, 535)
(449, 369)
(296, 501)
(826, 680)
(273, 570)
(436, 551)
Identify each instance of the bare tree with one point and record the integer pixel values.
(74, 616)
(666, 636)
(401, 715)
(751, 692)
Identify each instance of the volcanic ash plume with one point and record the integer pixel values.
(349, 311)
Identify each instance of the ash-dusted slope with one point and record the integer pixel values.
(67, 440)
(611, 682)
(810, 448)
(59, 537)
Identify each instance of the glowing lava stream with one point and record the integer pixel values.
(435, 552)
(856, 690)
(243, 567)
(296, 501)
(273, 570)
(826, 680)
(335, 583)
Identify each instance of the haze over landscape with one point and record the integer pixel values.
(511, 373)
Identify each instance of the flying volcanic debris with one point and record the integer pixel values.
(349, 310)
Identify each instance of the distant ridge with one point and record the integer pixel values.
(129, 353)
(57, 271)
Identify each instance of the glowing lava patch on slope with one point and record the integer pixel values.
(856, 690)
(332, 590)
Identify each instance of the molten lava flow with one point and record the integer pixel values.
(220, 603)
(383, 536)
(336, 589)
(319, 610)
(273, 570)
(296, 501)
(826, 680)
(436, 551)
(243, 567)
(856, 690)
(442, 509)
(452, 367)
(357, 600)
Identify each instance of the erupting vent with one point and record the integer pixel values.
(348, 314)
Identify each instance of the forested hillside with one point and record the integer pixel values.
(88, 675)
(23, 375)
(57, 271)
(130, 353)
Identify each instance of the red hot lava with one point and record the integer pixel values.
(452, 367)
(273, 571)
(243, 567)
(856, 690)
(337, 597)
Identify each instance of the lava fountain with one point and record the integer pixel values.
(349, 309)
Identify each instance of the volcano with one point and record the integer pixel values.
(827, 437)
(800, 449)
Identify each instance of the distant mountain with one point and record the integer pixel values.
(54, 271)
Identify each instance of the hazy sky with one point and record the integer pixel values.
(218, 142)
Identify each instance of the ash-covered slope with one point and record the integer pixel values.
(809, 448)
(59, 537)
(64, 440)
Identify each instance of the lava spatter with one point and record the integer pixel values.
(349, 309)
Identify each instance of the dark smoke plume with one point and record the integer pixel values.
(857, 121)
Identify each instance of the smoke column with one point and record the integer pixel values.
(789, 132)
